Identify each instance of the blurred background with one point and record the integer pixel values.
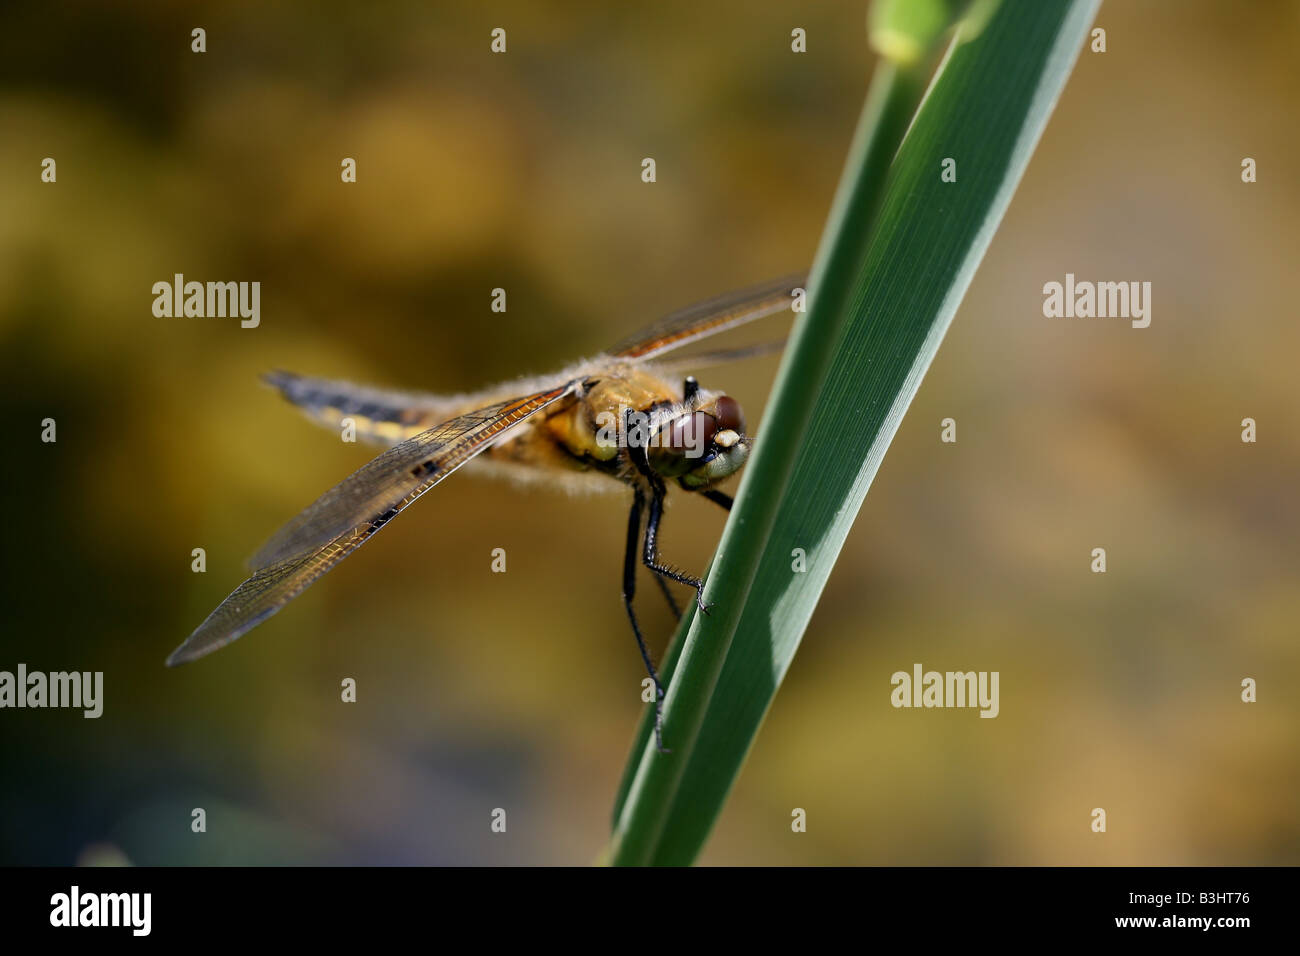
(521, 690)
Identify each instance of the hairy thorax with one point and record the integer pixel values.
(587, 432)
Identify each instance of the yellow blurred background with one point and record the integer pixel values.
(521, 690)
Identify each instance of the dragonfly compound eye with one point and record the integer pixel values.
(728, 415)
(683, 443)
(727, 446)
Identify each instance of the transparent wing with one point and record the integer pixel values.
(347, 515)
(720, 356)
(710, 317)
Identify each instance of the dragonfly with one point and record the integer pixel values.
(615, 417)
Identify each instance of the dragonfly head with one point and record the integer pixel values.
(702, 447)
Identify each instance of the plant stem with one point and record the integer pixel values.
(894, 94)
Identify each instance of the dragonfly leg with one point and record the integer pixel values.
(668, 596)
(629, 592)
(723, 501)
(650, 556)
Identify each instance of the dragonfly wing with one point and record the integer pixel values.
(268, 590)
(347, 515)
(710, 317)
(720, 356)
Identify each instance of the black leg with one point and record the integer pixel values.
(651, 553)
(718, 498)
(668, 596)
(640, 458)
(629, 591)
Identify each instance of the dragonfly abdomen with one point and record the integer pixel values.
(378, 417)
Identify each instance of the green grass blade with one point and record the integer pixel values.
(884, 120)
(879, 312)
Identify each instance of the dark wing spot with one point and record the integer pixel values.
(424, 469)
(379, 521)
